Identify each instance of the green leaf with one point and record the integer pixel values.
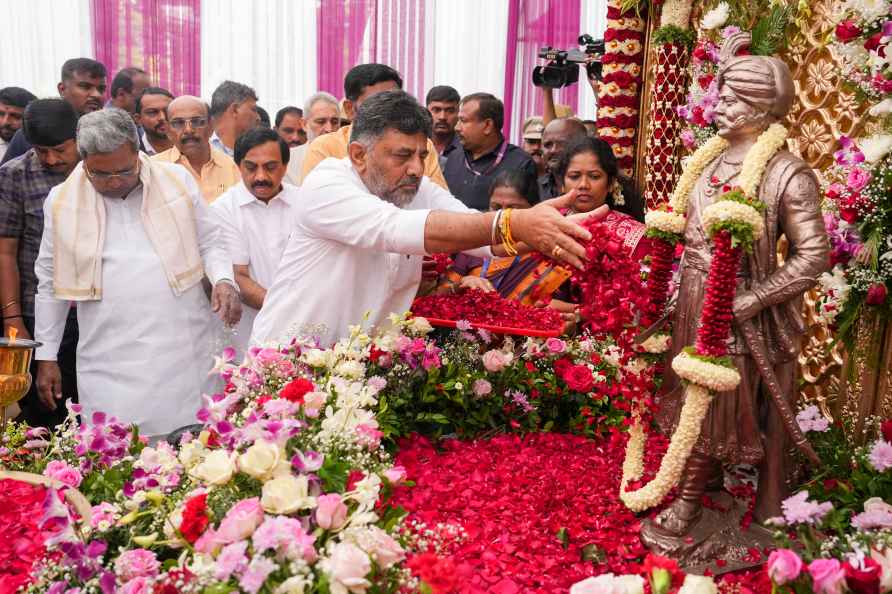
(564, 537)
(768, 33)
(334, 474)
(591, 552)
(674, 34)
(438, 418)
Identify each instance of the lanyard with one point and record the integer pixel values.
(503, 148)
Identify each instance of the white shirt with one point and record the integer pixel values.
(143, 353)
(217, 143)
(5, 145)
(350, 253)
(149, 149)
(295, 173)
(255, 234)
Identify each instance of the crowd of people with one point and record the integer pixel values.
(140, 233)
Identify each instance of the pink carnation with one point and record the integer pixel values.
(881, 455)
(138, 585)
(65, 474)
(241, 521)
(136, 563)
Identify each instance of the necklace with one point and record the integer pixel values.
(714, 183)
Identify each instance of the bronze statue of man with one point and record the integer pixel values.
(743, 426)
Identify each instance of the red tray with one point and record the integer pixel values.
(496, 329)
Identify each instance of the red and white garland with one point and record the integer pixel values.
(733, 222)
(672, 55)
(619, 87)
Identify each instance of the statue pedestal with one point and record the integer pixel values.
(716, 535)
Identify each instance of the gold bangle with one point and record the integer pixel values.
(507, 239)
(8, 305)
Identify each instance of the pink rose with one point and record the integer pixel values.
(482, 387)
(395, 475)
(383, 548)
(138, 585)
(347, 567)
(828, 576)
(495, 360)
(858, 179)
(62, 472)
(136, 563)
(555, 345)
(241, 521)
(783, 566)
(331, 513)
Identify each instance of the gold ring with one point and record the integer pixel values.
(557, 251)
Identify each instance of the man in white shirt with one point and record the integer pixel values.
(363, 223)
(234, 110)
(130, 240)
(255, 220)
(322, 117)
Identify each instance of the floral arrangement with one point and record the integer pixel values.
(619, 87)
(489, 309)
(857, 219)
(733, 222)
(862, 37)
(281, 492)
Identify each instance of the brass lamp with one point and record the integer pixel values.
(15, 377)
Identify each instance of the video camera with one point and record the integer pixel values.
(562, 69)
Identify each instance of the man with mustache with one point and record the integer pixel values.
(25, 182)
(255, 220)
(290, 126)
(363, 223)
(485, 152)
(82, 85)
(190, 128)
(442, 101)
(151, 116)
(127, 85)
(322, 116)
(558, 135)
(13, 101)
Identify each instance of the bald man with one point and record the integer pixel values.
(557, 136)
(190, 128)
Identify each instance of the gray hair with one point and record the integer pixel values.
(390, 110)
(230, 92)
(105, 131)
(316, 98)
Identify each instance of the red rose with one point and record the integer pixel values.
(700, 53)
(195, 518)
(847, 31)
(876, 294)
(297, 389)
(561, 366)
(830, 484)
(705, 80)
(849, 215)
(873, 43)
(886, 430)
(579, 378)
(866, 581)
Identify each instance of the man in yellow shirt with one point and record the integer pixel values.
(362, 82)
(190, 128)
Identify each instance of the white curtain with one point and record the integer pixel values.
(38, 36)
(469, 45)
(594, 22)
(269, 45)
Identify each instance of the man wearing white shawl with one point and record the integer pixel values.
(129, 240)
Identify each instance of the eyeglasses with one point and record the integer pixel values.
(100, 176)
(196, 123)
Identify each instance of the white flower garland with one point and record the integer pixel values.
(704, 378)
(676, 13)
(658, 343)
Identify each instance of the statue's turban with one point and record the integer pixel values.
(761, 81)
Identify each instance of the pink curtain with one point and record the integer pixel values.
(401, 31)
(346, 36)
(534, 24)
(163, 37)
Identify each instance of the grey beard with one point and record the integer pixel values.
(377, 187)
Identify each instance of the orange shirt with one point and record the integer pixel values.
(335, 144)
(218, 175)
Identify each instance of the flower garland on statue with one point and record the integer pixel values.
(733, 222)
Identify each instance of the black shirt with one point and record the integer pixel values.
(450, 148)
(548, 188)
(472, 187)
(18, 146)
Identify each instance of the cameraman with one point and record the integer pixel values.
(549, 111)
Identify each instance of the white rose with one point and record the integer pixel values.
(317, 358)
(293, 585)
(698, 584)
(602, 584)
(350, 369)
(367, 491)
(421, 326)
(286, 494)
(260, 460)
(628, 584)
(216, 469)
(347, 568)
(192, 453)
(875, 147)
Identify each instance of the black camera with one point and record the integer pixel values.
(562, 69)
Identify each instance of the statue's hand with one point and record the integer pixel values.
(746, 305)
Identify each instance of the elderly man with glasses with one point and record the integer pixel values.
(190, 128)
(129, 240)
